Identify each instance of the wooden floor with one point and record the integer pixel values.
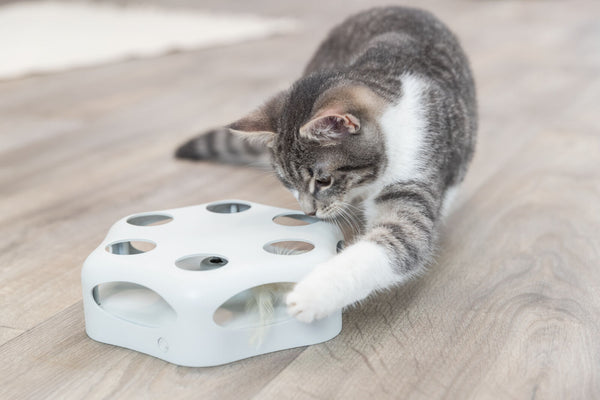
(511, 308)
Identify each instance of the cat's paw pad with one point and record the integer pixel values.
(307, 303)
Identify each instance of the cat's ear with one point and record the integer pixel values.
(260, 126)
(330, 128)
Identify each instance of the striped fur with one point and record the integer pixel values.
(376, 136)
(231, 144)
(223, 145)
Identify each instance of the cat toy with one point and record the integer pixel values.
(205, 285)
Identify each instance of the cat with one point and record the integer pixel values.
(378, 131)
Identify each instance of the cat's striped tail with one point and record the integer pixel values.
(223, 145)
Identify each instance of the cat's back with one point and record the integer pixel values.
(385, 35)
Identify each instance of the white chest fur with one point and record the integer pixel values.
(404, 127)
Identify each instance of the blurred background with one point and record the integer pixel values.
(96, 95)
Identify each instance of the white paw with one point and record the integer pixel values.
(310, 300)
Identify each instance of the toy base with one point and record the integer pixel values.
(196, 351)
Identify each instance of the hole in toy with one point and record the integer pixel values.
(294, 220)
(340, 246)
(127, 247)
(227, 208)
(255, 307)
(149, 220)
(288, 247)
(201, 262)
(134, 303)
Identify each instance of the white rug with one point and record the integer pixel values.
(53, 36)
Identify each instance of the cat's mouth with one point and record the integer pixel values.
(325, 213)
(334, 211)
(330, 212)
(321, 215)
(344, 216)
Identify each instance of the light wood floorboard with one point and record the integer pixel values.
(510, 309)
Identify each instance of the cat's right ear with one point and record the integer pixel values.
(260, 126)
(330, 128)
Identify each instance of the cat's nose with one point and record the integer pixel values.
(307, 204)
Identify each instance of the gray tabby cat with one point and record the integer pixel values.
(382, 127)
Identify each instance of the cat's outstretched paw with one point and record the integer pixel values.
(308, 301)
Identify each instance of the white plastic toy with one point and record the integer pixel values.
(175, 284)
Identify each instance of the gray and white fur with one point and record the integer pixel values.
(379, 131)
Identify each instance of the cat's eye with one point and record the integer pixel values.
(323, 182)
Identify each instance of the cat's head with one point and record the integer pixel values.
(325, 142)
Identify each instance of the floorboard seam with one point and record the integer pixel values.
(279, 373)
(39, 324)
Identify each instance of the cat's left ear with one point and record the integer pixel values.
(260, 126)
(330, 128)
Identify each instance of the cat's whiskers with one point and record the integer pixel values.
(352, 216)
(347, 219)
(351, 206)
(334, 220)
(353, 224)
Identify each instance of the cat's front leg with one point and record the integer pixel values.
(388, 254)
(351, 276)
